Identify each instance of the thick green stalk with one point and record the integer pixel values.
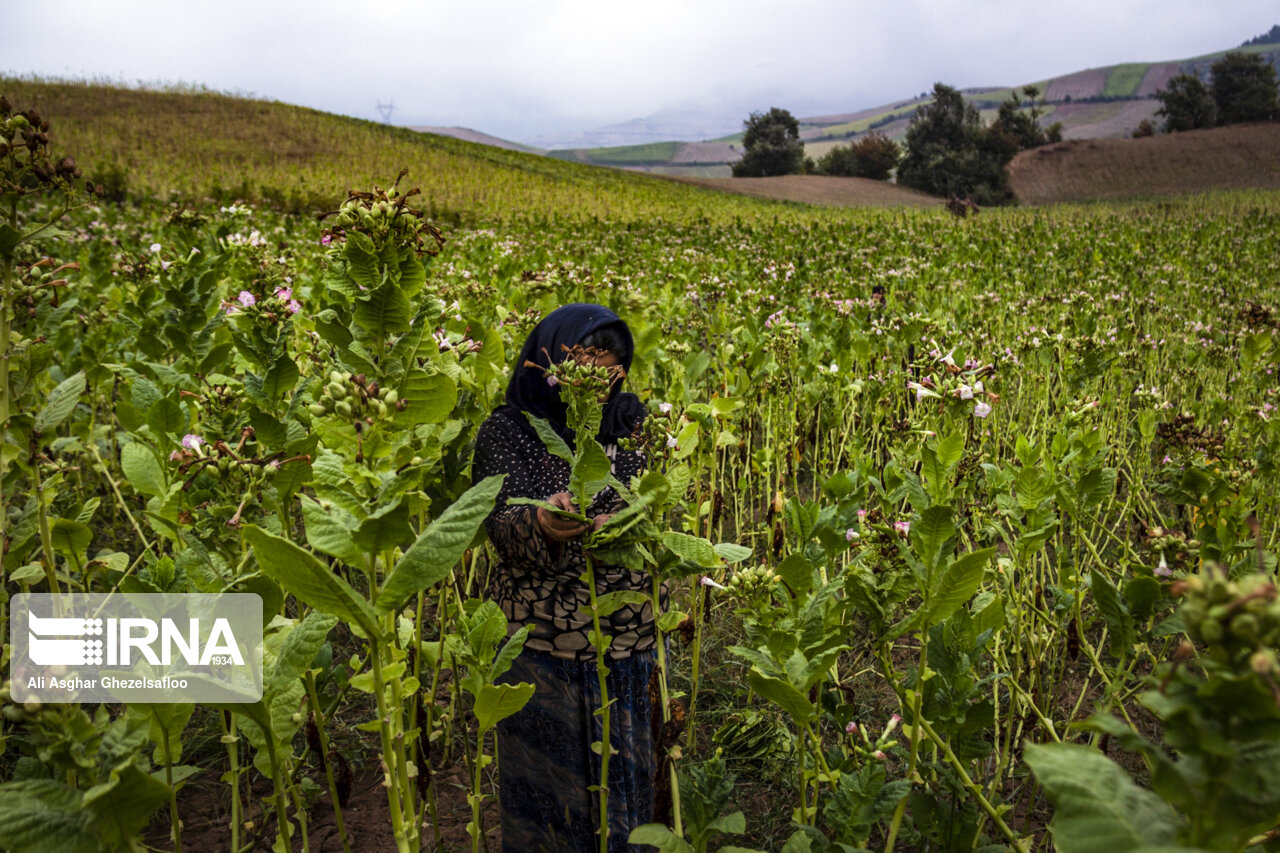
(318, 713)
(233, 770)
(602, 674)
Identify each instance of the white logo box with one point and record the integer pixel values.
(139, 648)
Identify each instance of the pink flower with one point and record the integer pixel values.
(552, 381)
(851, 727)
(903, 527)
(665, 408)
(192, 442)
(850, 535)
(246, 299)
(893, 723)
(326, 239)
(879, 754)
(1163, 569)
(284, 293)
(294, 306)
(981, 409)
(862, 515)
(966, 393)
(1166, 460)
(672, 443)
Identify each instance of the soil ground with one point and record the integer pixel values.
(821, 190)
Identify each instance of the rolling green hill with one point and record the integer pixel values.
(1107, 102)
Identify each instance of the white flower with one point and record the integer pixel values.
(192, 442)
(850, 535)
(665, 408)
(966, 393)
(672, 443)
(981, 409)
(155, 247)
(1163, 569)
(706, 581)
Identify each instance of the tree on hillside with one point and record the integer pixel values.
(950, 152)
(1021, 121)
(771, 145)
(873, 156)
(1244, 88)
(1186, 104)
(1271, 36)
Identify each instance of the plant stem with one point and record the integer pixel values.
(316, 712)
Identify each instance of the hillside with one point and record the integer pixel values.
(468, 135)
(820, 190)
(194, 142)
(1096, 103)
(1234, 157)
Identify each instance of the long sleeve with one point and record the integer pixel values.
(513, 530)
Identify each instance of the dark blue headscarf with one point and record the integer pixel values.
(528, 390)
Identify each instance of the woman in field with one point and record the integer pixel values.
(545, 760)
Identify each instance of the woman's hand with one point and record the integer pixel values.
(600, 520)
(556, 528)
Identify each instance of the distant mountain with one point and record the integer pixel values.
(1095, 103)
(468, 135)
(683, 124)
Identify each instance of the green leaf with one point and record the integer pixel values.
(931, 533)
(123, 811)
(958, 584)
(9, 237)
(429, 398)
(383, 313)
(694, 549)
(310, 580)
(1098, 808)
(555, 445)
(657, 835)
(142, 470)
(165, 416)
(362, 263)
(281, 376)
(70, 538)
(62, 401)
(299, 649)
(612, 602)
(496, 702)
(329, 531)
(44, 816)
(1118, 620)
(385, 528)
(435, 553)
(950, 449)
(796, 572)
(783, 694)
(591, 467)
(731, 552)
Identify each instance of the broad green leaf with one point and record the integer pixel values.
(429, 398)
(555, 445)
(731, 552)
(329, 531)
(796, 572)
(383, 313)
(142, 470)
(300, 573)
(280, 378)
(362, 263)
(592, 466)
(496, 702)
(783, 694)
(44, 816)
(694, 549)
(439, 547)
(62, 401)
(299, 648)
(612, 602)
(1111, 607)
(950, 449)
(70, 538)
(931, 533)
(165, 416)
(958, 583)
(1097, 807)
(659, 836)
(385, 528)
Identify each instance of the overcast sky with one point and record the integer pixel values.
(530, 70)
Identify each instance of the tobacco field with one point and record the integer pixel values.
(969, 523)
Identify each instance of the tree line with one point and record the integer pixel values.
(1242, 87)
(948, 149)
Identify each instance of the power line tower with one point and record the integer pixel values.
(386, 110)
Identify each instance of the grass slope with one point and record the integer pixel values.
(198, 143)
(1235, 157)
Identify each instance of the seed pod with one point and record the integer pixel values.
(391, 397)
(316, 409)
(336, 377)
(342, 408)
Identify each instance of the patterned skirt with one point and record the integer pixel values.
(545, 760)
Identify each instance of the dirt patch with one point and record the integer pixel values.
(1240, 157)
(820, 190)
(1081, 84)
